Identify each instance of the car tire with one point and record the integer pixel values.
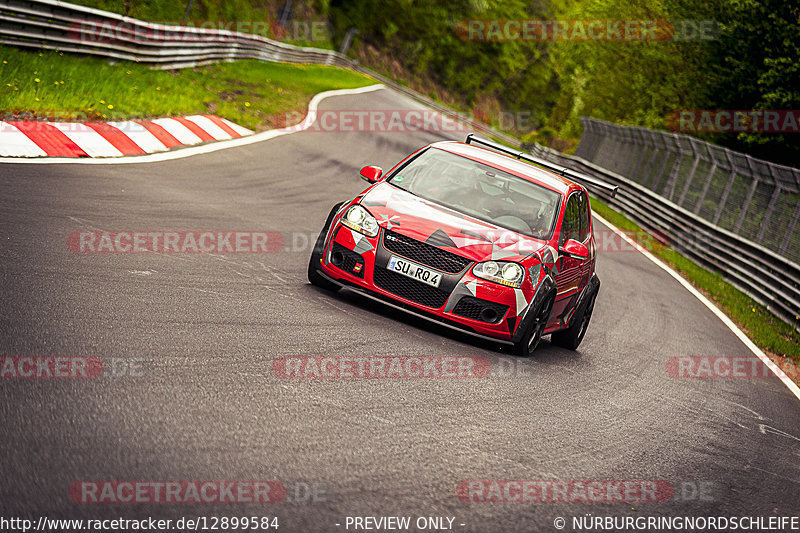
(571, 337)
(528, 343)
(316, 256)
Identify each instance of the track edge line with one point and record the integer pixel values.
(780, 374)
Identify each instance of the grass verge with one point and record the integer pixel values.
(777, 338)
(257, 95)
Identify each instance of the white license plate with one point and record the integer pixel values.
(414, 271)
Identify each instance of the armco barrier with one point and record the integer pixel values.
(49, 24)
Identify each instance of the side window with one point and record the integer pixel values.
(570, 228)
(584, 214)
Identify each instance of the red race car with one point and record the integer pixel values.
(471, 238)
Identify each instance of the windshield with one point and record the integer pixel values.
(480, 191)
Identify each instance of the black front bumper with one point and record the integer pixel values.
(411, 311)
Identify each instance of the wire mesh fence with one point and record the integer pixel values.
(755, 199)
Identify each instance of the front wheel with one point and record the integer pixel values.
(571, 337)
(526, 346)
(316, 256)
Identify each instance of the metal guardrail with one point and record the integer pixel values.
(763, 274)
(672, 207)
(54, 25)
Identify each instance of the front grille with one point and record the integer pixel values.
(350, 260)
(410, 289)
(424, 253)
(477, 309)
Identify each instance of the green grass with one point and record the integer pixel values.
(255, 94)
(762, 327)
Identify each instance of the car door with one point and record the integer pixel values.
(586, 236)
(571, 272)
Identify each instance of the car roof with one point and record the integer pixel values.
(511, 165)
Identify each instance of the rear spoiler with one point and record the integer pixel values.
(552, 167)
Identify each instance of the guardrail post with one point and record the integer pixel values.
(790, 230)
(724, 199)
(596, 142)
(600, 137)
(635, 148)
(706, 186)
(746, 205)
(768, 213)
(588, 143)
(187, 12)
(625, 148)
(690, 178)
(603, 153)
(632, 161)
(640, 155)
(591, 143)
(653, 157)
(600, 140)
(348, 39)
(657, 179)
(583, 144)
(616, 150)
(672, 181)
(627, 160)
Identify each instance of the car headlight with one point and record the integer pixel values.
(502, 272)
(361, 220)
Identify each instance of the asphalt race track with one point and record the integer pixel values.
(200, 332)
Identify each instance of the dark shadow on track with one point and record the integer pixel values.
(546, 352)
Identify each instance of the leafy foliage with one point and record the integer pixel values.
(429, 39)
(757, 66)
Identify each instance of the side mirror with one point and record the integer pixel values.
(574, 249)
(371, 174)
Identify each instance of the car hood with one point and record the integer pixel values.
(402, 212)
